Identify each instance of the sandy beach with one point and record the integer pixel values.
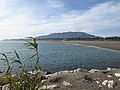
(115, 45)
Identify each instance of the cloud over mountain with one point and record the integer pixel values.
(18, 18)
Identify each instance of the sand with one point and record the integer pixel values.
(115, 45)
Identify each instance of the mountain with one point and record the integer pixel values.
(67, 35)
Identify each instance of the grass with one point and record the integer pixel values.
(23, 80)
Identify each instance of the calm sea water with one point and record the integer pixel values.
(59, 56)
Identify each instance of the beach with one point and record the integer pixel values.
(115, 45)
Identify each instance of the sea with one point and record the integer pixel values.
(57, 56)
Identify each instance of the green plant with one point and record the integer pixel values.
(5, 58)
(34, 46)
(24, 80)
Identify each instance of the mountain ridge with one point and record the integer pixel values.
(67, 35)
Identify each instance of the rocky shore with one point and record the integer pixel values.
(79, 79)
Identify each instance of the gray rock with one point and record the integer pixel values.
(100, 86)
(97, 82)
(72, 71)
(78, 70)
(65, 83)
(52, 86)
(93, 70)
(6, 87)
(85, 78)
(117, 74)
(109, 76)
(66, 71)
(104, 82)
(49, 87)
(109, 68)
(110, 84)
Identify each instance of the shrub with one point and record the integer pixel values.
(23, 80)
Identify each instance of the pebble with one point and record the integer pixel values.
(65, 83)
(52, 86)
(93, 70)
(109, 76)
(97, 82)
(43, 81)
(72, 71)
(78, 70)
(117, 74)
(66, 71)
(109, 68)
(49, 87)
(110, 84)
(6, 87)
(104, 82)
(100, 86)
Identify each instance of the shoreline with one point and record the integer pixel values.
(114, 45)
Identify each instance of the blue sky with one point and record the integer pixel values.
(21, 18)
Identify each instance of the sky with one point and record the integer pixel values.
(22, 18)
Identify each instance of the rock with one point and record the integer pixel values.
(117, 74)
(43, 88)
(105, 71)
(97, 82)
(51, 75)
(105, 82)
(100, 86)
(108, 69)
(52, 86)
(6, 87)
(47, 76)
(78, 70)
(93, 70)
(110, 84)
(85, 78)
(65, 83)
(96, 79)
(43, 81)
(46, 73)
(66, 71)
(49, 87)
(54, 79)
(54, 74)
(72, 71)
(109, 76)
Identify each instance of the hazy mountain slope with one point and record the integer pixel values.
(67, 35)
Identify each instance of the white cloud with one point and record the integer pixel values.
(101, 17)
(55, 3)
(25, 22)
